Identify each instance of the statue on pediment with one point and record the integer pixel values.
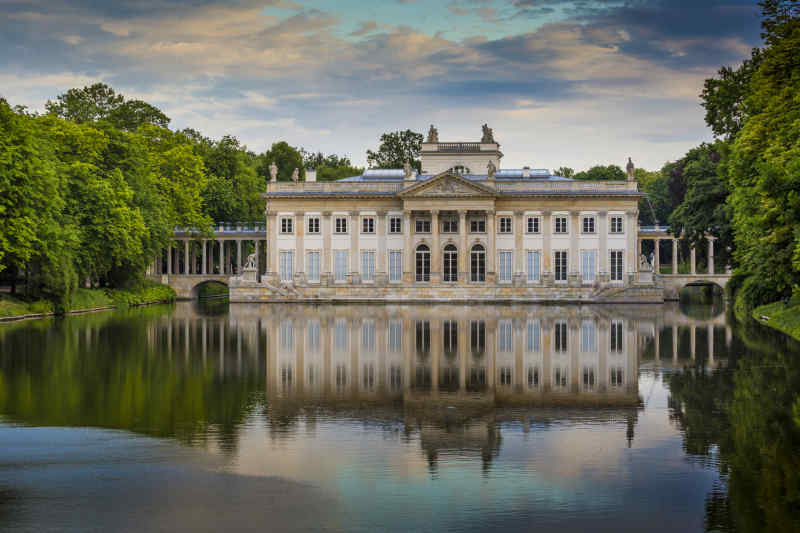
(295, 175)
(490, 170)
(488, 134)
(407, 169)
(630, 168)
(273, 172)
(433, 135)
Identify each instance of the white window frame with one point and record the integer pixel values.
(479, 225)
(565, 220)
(421, 222)
(340, 225)
(287, 225)
(368, 225)
(395, 262)
(313, 225)
(314, 258)
(368, 265)
(617, 266)
(611, 225)
(557, 268)
(340, 266)
(287, 265)
(588, 265)
(533, 225)
(505, 225)
(395, 219)
(505, 266)
(588, 220)
(533, 265)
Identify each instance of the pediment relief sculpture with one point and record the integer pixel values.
(451, 186)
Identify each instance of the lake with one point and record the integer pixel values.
(210, 417)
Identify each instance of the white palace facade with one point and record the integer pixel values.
(462, 229)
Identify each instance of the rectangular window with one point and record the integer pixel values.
(534, 337)
(561, 224)
(477, 225)
(504, 267)
(340, 265)
(533, 376)
(588, 337)
(588, 224)
(588, 264)
(616, 225)
(287, 225)
(450, 336)
(505, 225)
(617, 377)
(287, 266)
(395, 336)
(449, 225)
(423, 336)
(533, 225)
(368, 336)
(477, 335)
(588, 377)
(534, 264)
(561, 266)
(368, 266)
(395, 265)
(313, 225)
(505, 336)
(616, 265)
(341, 225)
(560, 337)
(395, 225)
(368, 225)
(616, 336)
(313, 266)
(506, 376)
(340, 335)
(423, 225)
(313, 336)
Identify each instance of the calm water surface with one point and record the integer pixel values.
(399, 418)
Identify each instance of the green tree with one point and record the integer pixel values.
(725, 96)
(286, 158)
(396, 148)
(233, 183)
(600, 173)
(564, 172)
(329, 167)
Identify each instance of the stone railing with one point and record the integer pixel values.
(459, 147)
(567, 186)
(225, 227)
(335, 187)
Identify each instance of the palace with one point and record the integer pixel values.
(463, 228)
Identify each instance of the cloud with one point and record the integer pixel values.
(365, 27)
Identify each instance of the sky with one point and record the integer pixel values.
(561, 82)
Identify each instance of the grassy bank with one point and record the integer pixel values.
(783, 317)
(87, 299)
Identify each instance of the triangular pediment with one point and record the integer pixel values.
(448, 185)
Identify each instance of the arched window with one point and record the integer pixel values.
(477, 262)
(450, 263)
(423, 263)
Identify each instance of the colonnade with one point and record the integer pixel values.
(203, 257)
(692, 253)
(692, 341)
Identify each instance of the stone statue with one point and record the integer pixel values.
(273, 172)
(295, 175)
(251, 262)
(630, 168)
(490, 170)
(433, 135)
(488, 134)
(407, 169)
(644, 264)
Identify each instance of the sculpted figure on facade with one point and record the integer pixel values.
(295, 175)
(630, 168)
(273, 172)
(644, 264)
(488, 134)
(407, 169)
(433, 135)
(490, 170)
(251, 262)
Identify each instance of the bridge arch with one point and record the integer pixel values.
(205, 288)
(674, 284)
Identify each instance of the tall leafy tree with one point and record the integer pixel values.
(286, 158)
(601, 173)
(564, 172)
(395, 149)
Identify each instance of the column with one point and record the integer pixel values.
(674, 256)
(354, 251)
(272, 244)
(300, 249)
(381, 274)
(693, 259)
(711, 344)
(674, 342)
(547, 248)
(602, 228)
(463, 253)
(491, 249)
(710, 255)
(519, 252)
(693, 341)
(408, 253)
(186, 257)
(227, 255)
(257, 250)
(221, 258)
(238, 256)
(657, 256)
(657, 339)
(436, 252)
(204, 268)
(169, 259)
(633, 236)
(574, 247)
(326, 245)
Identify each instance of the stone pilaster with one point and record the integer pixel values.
(632, 260)
(169, 260)
(355, 253)
(272, 245)
(463, 253)
(547, 249)
(408, 252)
(326, 276)
(436, 252)
(381, 273)
(574, 267)
(603, 255)
(300, 253)
(491, 252)
(519, 276)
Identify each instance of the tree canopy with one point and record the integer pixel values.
(395, 149)
(601, 173)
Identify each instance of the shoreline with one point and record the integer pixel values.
(31, 316)
(780, 317)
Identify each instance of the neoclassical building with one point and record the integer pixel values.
(463, 228)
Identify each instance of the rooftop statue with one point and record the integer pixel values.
(491, 169)
(407, 169)
(488, 134)
(295, 175)
(630, 168)
(433, 135)
(273, 171)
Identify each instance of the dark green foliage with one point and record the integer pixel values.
(564, 172)
(396, 148)
(601, 173)
(286, 158)
(330, 167)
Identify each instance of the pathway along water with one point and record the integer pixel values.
(393, 418)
